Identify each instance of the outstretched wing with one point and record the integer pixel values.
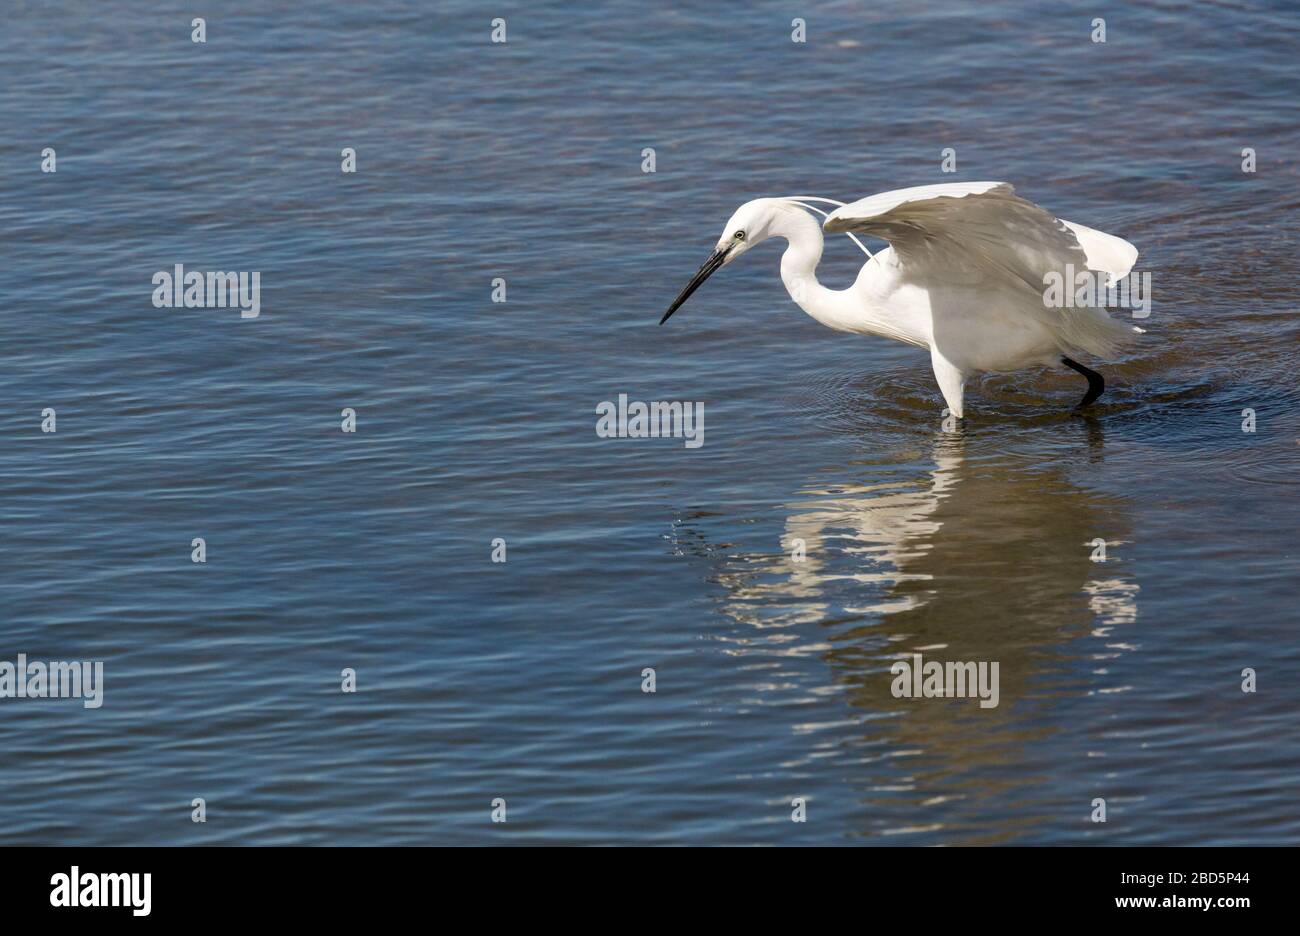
(1107, 252)
(968, 232)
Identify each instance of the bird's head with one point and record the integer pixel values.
(751, 224)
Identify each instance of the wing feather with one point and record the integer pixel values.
(982, 232)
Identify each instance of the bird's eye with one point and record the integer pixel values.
(740, 235)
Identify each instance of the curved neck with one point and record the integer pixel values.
(799, 268)
(861, 308)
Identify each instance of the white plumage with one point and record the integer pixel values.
(964, 276)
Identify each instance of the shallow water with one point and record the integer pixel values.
(522, 680)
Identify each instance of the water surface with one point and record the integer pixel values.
(476, 420)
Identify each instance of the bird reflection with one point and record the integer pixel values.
(984, 559)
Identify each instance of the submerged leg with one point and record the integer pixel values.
(1096, 383)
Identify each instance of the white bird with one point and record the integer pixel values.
(964, 277)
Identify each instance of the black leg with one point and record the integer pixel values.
(1096, 384)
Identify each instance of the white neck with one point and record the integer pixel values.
(799, 267)
(853, 310)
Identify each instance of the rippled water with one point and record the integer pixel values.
(522, 680)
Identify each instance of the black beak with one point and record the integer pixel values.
(710, 265)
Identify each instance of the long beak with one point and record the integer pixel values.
(710, 265)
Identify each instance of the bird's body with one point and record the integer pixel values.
(964, 277)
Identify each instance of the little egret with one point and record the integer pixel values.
(964, 277)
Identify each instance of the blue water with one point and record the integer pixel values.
(476, 421)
